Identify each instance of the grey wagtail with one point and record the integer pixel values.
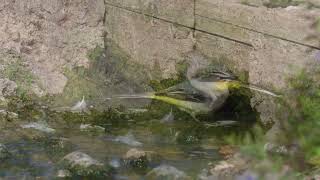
(200, 94)
(205, 90)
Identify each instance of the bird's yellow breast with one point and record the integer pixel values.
(224, 85)
(221, 86)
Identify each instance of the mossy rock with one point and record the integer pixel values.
(82, 166)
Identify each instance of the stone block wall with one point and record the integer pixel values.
(271, 44)
(50, 36)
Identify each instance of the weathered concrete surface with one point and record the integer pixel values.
(178, 11)
(157, 44)
(48, 37)
(269, 62)
(51, 35)
(289, 24)
(271, 44)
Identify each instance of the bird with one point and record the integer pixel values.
(198, 95)
(205, 89)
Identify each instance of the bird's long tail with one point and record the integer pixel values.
(148, 95)
(258, 89)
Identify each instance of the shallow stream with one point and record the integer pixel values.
(38, 139)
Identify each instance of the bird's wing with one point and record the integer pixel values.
(184, 91)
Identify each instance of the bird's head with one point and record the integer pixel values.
(215, 75)
(200, 69)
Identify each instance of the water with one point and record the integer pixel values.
(36, 149)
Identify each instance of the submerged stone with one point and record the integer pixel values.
(273, 148)
(128, 139)
(230, 168)
(139, 159)
(92, 128)
(167, 172)
(63, 173)
(41, 126)
(136, 159)
(4, 152)
(82, 165)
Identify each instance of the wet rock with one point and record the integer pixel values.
(139, 159)
(8, 115)
(227, 151)
(82, 165)
(63, 173)
(92, 128)
(230, 168)
(223, 169)
(40, 126)
(276, 149)
(136, 159)
(4, 152)
(167, 172)
(128, 139)
(284, 150)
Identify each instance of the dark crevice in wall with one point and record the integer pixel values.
(259, 32)
(178, 24)
(105, 13)
(194, 18)
(105, 33)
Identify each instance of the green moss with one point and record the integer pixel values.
(248, 3)
(282, 3)
(16, 70)
(96, 53)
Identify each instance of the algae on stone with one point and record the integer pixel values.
(15, 69)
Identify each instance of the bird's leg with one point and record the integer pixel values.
(193, 115)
